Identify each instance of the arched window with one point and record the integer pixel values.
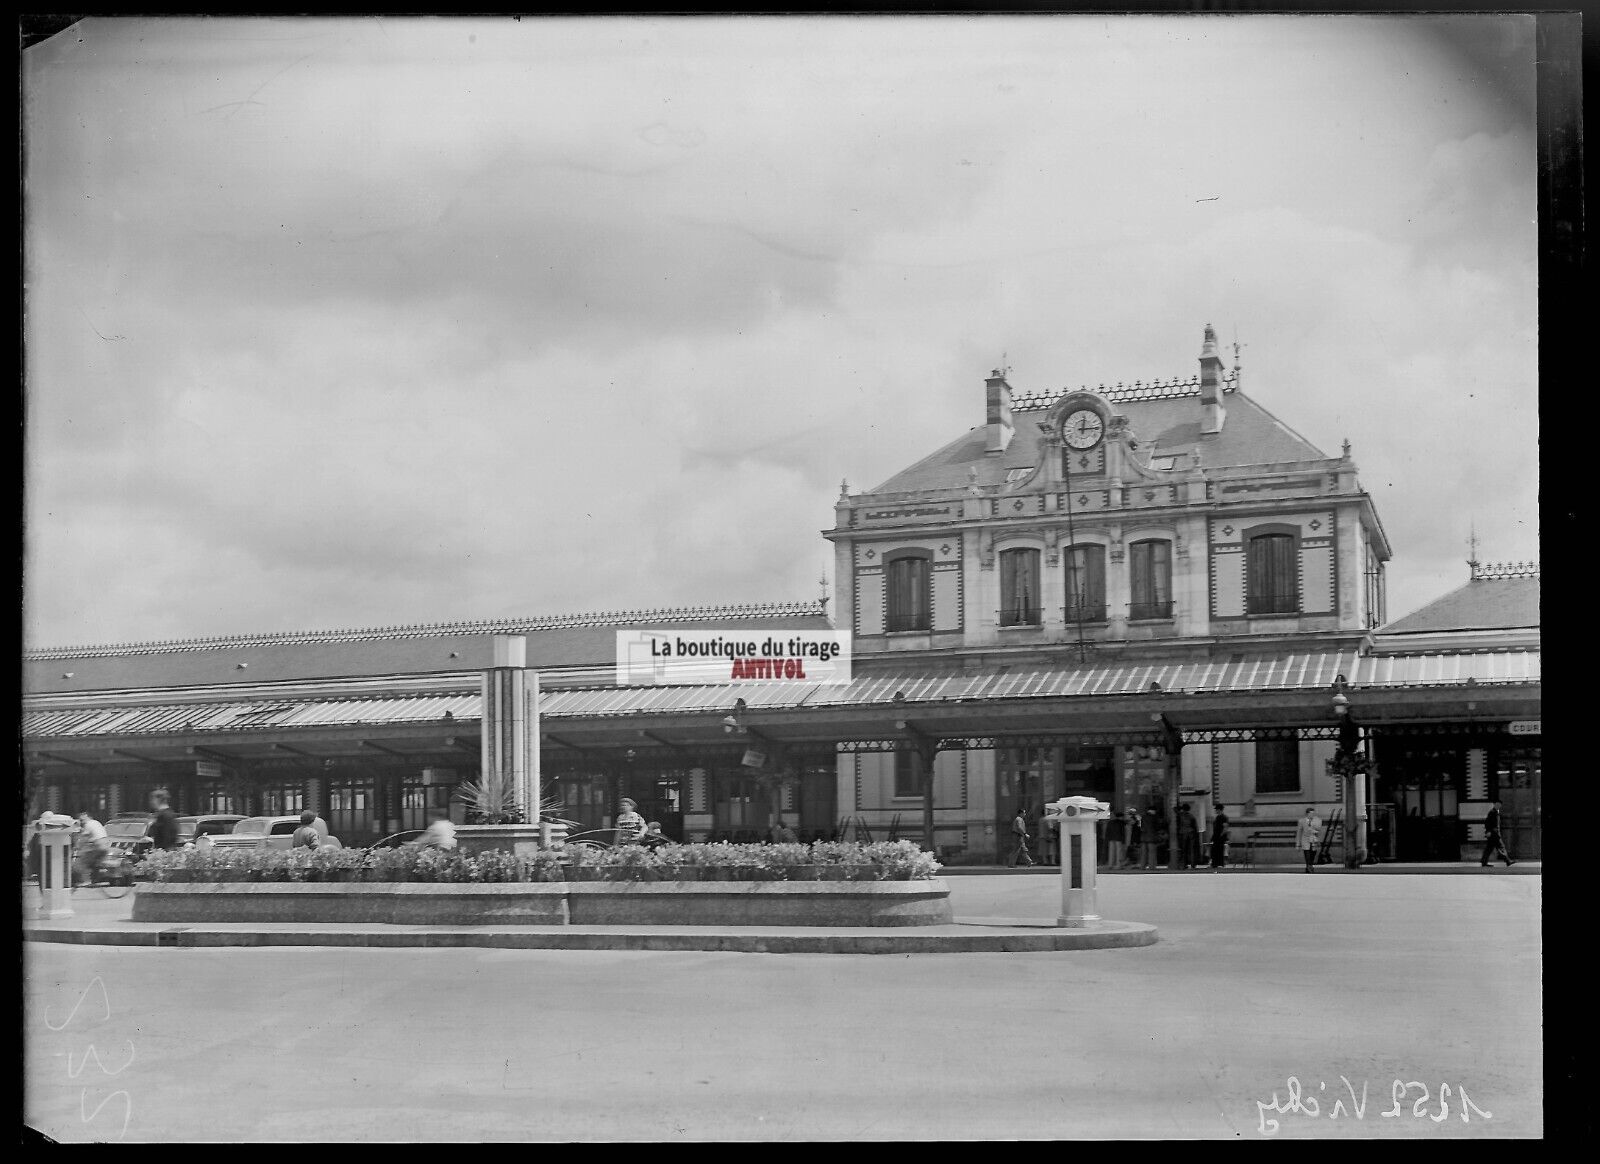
(1019, 587)
(1086, 583)
(910, 602)
(1150, 565)
(1274, 578)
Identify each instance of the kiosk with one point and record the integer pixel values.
(1077, 816)
(55, 864)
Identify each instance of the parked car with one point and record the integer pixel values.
(129, 832)
(272, 832)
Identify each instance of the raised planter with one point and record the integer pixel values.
(760, 903)
(401, 903)
(522, 839)
(725, 903)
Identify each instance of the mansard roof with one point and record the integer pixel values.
(573, 640)
(1484, 603)
(1163, 417)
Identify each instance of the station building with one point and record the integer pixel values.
(1144, 593)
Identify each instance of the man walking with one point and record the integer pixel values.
(1219, 839)
(1135, 840)
(164, 829)
(1307, 833)
(1492, 844)
(1116, 833)
(1019, 829)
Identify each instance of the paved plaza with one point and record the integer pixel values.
(1341, 990)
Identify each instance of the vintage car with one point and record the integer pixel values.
(129, 832)
(271, 832)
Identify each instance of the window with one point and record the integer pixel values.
(1274, 584)
(1151, 563)
(910, 603)
(1019, 588)
(1277, 766)
(1375, 591)
(906, 783)
(1086, 583)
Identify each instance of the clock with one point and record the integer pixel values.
(1082, 429)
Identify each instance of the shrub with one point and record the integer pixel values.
(900, 861)
(780, 860)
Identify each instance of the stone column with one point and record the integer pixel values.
(511, 725)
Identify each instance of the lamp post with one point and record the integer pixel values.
(1351, 767)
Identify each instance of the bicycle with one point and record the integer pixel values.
(109, 877)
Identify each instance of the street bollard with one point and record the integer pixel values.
(55, 864)
(1076, 817)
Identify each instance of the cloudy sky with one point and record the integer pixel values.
(358, 322)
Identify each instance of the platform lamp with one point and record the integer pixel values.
(1351, 767)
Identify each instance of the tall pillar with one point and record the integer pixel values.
(511, 725)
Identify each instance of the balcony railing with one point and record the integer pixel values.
(1288, 603)
(908, 622)
(1148, 610)
(1085, 612)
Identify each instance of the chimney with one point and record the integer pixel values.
(999, 400)
(1212, 414)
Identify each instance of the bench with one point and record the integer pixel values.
(1265, 839)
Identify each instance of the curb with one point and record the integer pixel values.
(958, 938)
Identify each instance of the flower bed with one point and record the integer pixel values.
(717, 861)
(890, 883)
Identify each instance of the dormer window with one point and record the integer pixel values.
(1015, 475)
(1164, 463)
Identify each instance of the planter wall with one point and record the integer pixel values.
(402, 903)
(725, 903)
(760, 903)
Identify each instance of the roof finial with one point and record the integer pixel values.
(1472, 559)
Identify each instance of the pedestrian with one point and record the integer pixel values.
(1493, 846)
(1019, 830)
(164, 829)
(1219, 838)
(306, 836)
(1307, 832)
(91, 846)
(630, 826)
(1135, 841)
(1155, 835)
(1116, 842)
(654, 837)
(440, 833)
(781, 833)
(1190, 826)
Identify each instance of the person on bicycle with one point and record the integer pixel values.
(92, 848)
(631, 827)
(306, 836)
(440, 833)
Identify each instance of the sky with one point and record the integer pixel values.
(358, 322)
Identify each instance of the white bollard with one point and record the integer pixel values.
(1076, 816)
(55, 864)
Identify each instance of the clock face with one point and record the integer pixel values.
(1082, 429)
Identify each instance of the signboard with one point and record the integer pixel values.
(1525, 727)
(754, 759)
(208, 770)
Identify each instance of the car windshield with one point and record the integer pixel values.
(255, 826)
(126, 828)
(186, 824)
